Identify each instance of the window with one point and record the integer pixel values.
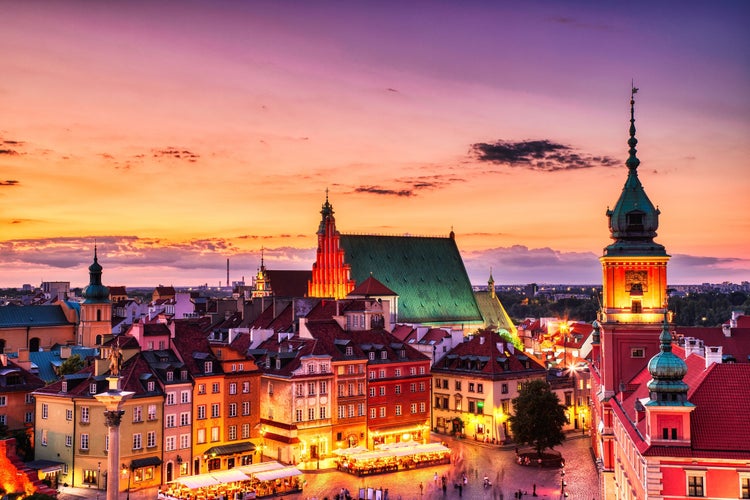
(504, 389)
(323, 413)
(68, 440)
(311, 388)
(171, 419)
(472, 407)
(372, 374)
(412, 371)
(29, 399)
(90, 475)
(299, 390)
(695, 484)
(233, 388)
(413, 407)
(170, 376)
(215, 410)
(371, 355)
(349, 351)
(421, 370)
(152, 412)
(138, 414)
(3, 401)
(636, 307)
(372, 392)
(398, 410)
(185, 418)
(397, 372)
(201, 437)
(232, 409)
(171, 398)
(382, 412)
(201, 388)
(201, 412)
(458, 385)
(637, 352)
(92, 388)
(215, 388)
(270, 388)
(245, 387)
(44, 437)
(184, 441)
(381, 390)
(183, 375)
(151, 386)
(311, 368)
(68, 415)
(137, 441)
(298, 415)
(745, 487)
(421, 407)
(361, 409)
(412, 387)
(185, 397)
(85, 414)
(471, 386)
(214, 434)
(232, 432)
(311, 414)
(170, 443)
(3, 419)
(342, 411)
(373, 413)
(84, 441)
(245, 408)
(208, 366)
(398, 388)
(151, 439)
(245, 431)
(381, 374)
(421, 387)
(323, 387)
(383, 354)
(350, 410)
(28, 417)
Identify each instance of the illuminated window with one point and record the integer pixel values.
(745, 487)
(152, 412)
(695, 483)
(215, 410)
(214, 434)
(233, 388)
(245, 431)
(398, 410)
(138, 414)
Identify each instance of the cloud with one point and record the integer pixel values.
(176, 153)
(540, 155)
(384, 191)
(9, 152)
(9, 183)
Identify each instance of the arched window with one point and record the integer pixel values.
(2, 346)
(98, 314)
(34, 344)
(98, 340)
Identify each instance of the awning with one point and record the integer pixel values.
(253, 469)
(144, 462)
(44, 465)
(230, 449)
(229, 476)
(272, 475)
(195, 482)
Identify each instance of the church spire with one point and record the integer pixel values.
(633, 160)
(95, 292)
(666, 386)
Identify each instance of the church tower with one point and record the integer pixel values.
(261, 283)
(634, 278)
(96, 309)
(330, 275)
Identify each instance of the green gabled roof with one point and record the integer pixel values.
(427, 273)
(35, 316)
(494, 314)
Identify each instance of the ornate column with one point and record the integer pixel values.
(112, 400)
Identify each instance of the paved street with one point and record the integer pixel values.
(475, 459)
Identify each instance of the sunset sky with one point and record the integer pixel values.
(179, 134)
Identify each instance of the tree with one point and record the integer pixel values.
(73, 364)
(538, 417)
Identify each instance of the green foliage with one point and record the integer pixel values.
(707, 309)
(509, 337)
(538, 417)
(23, 445)
(73, 364)
(518, 307)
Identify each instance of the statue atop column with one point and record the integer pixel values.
(115, 360)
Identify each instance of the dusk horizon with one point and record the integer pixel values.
(175, 136)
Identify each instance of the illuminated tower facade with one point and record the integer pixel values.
(634, 279)
(261, 284)
(330, 274)
(96, 309)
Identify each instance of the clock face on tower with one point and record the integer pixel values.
(636, 282)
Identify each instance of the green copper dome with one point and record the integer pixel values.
(634, 219)
(667, 371)
(95, 292)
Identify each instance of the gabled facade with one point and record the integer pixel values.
(16, 386)
(474, 384)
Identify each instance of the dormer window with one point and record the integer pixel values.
(183, 374)
(349, 351)
(310, 368)
(402, 353)
(278, 363)
(208, 366)
(383, 354)
(92, 387)
(170, 376)
(151, 386)
(371, 355)
(65, 386)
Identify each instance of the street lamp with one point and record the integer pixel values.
(98, 473)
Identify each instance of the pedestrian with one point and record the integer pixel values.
(534, 492)
(435, 478)
(460, 489)
(421, 489)
(445, 489)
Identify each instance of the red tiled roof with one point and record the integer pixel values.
(737, 345)
(404, 332)
(370, 287)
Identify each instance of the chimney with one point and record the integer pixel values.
(23, 355)
(65, 351)
(727, 329)
(4, 359)
(713, 355)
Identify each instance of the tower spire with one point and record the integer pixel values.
(633, 160)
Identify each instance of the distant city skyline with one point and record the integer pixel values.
(176, 135)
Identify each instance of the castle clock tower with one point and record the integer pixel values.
(96, 309)
(634, 278)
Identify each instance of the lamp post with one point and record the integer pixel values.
(98, 474)
(262, 442)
